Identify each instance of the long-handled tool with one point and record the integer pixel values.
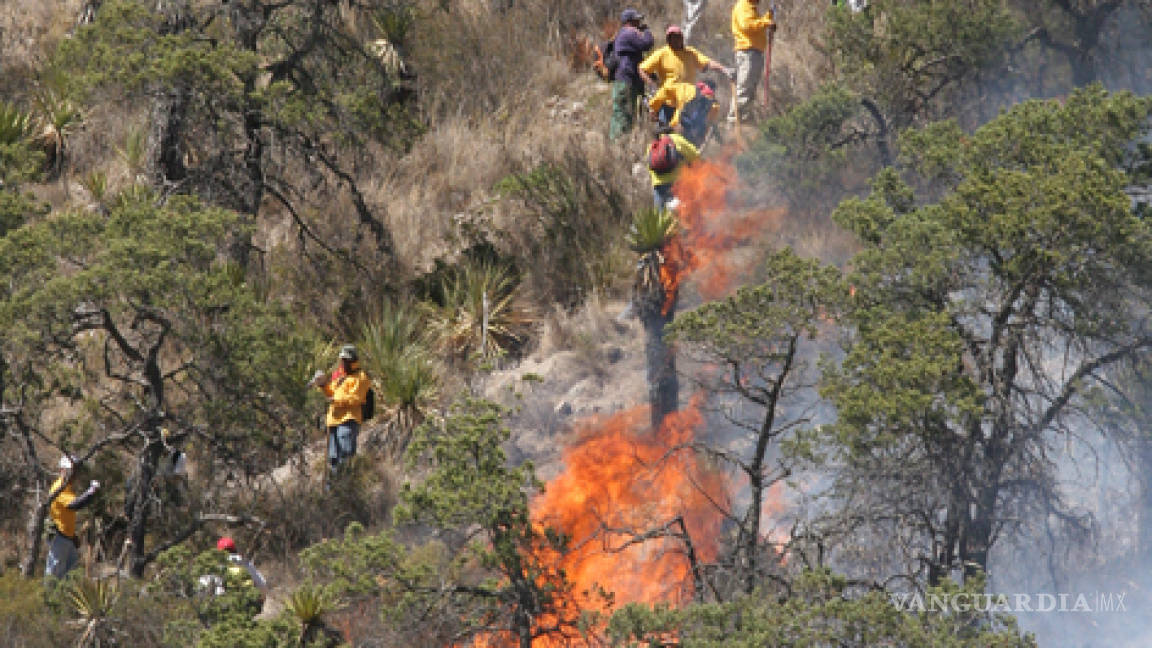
(736, 112)
(768, 54)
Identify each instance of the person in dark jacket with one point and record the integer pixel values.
(630, 45)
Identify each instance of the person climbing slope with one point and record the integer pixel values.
(692, 107)
(346, 391)
(631, 42)
(668, 153)
(676, 63)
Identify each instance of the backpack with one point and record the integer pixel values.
(368, 409)
(663, 156)
(606, 61)
(694, 118)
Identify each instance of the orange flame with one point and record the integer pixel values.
(621, 475)
(711, 227)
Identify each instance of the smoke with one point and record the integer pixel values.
(1099, 551)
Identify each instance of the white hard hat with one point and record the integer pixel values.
(65, 462)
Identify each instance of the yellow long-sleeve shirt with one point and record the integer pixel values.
(675, 65)
(675, 94)
(748, 27)
(63, 517)
(348, 394)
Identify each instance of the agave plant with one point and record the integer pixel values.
(651, 229)
(309, 605)
(94, 601)
(15, 124)
(479, 316)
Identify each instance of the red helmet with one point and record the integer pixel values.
(226, 544)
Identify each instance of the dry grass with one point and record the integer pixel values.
(29, 29)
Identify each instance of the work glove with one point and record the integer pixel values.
(730, 73)
(318, 378)
(93, 486)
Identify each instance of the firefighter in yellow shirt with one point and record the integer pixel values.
(693, 107)
(750, 30)
(346, 391)
(663, 178)
(62, 552)
(676, 63)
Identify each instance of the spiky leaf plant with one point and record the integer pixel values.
(390, 332)
(651, 229)
(394, 23)
(94, 601)
(60, 117)
(394, 350)
(15, 124)
(96, 184)
(133, 151)
(479, 316)
(309, 604)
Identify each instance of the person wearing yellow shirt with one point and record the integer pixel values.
(346, 391)
(676, 63)
(750, 29)
(662, 181)
(692, 106)
(62, 552)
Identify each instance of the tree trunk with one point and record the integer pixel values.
(249, 21)
(137, 505)
(169, 112)
(660, 359)
(34, 533)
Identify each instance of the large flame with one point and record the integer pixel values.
(623, 479)
(711, 227)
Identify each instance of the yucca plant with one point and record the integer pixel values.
(394, 350)
(15, 124)
(94, 601)
(394, 23)
(134, 194)
(651, 229)
(133, 152)
(391, 332)
(309, 605)
(651, 232)
(408, 391)
(479, 316)
(96, 184)
(60, 117)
